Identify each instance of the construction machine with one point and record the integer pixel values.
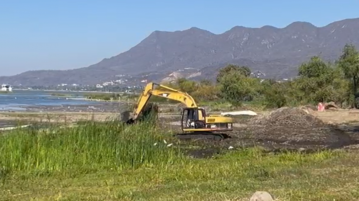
(194, 120)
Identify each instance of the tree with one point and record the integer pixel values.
(206, 93)
(349, 63)
(243, 70)
(316, 67)
(236, 87)
(186, 85)
(205, 82)
(318, 82)
(275, 94)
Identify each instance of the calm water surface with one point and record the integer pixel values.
(18, 100)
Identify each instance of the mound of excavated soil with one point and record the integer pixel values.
(288, 117)
(295, 128)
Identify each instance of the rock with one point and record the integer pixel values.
(261, 196)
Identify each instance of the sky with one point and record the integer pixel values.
(68, 34)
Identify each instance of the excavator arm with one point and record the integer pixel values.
(154, 89)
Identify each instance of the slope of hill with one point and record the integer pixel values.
(275, 51)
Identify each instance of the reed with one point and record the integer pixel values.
(88, 147)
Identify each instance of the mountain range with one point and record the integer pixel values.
(196, 53)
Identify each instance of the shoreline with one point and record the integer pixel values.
(100, 110)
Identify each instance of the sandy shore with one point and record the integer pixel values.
(63, 113)
(7, 123)
(95, 107)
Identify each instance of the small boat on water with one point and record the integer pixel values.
(6, 88)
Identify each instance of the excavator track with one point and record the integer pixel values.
(202, 136)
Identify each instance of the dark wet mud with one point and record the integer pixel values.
(286, 129)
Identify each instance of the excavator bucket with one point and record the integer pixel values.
(126, 117)
(150, 109)
(130, 121)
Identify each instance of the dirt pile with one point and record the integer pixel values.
(289, 117)
(294, 128)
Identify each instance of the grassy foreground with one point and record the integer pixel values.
(106, 161)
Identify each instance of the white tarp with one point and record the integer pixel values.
(12, 128)
(243, 112)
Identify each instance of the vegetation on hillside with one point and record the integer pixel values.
(317, 81)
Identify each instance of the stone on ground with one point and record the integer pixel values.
(261, 196)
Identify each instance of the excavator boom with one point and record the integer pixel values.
(165, 92)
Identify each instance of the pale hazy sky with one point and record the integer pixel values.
(66, 34)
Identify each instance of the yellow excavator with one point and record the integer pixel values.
(194, 118)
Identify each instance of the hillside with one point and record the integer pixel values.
(275, 51)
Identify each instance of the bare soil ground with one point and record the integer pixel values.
(98, 107)
(295, 128)
(62, 114)
(290, 129)
(68, 118)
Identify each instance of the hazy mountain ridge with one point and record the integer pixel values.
(275, 51)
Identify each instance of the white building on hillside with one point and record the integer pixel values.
(6, 87)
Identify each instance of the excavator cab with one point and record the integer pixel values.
(194, 119)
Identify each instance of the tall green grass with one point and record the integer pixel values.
(88, 147)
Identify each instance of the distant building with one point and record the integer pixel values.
(6, 87)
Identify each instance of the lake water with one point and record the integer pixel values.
(18, 100)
